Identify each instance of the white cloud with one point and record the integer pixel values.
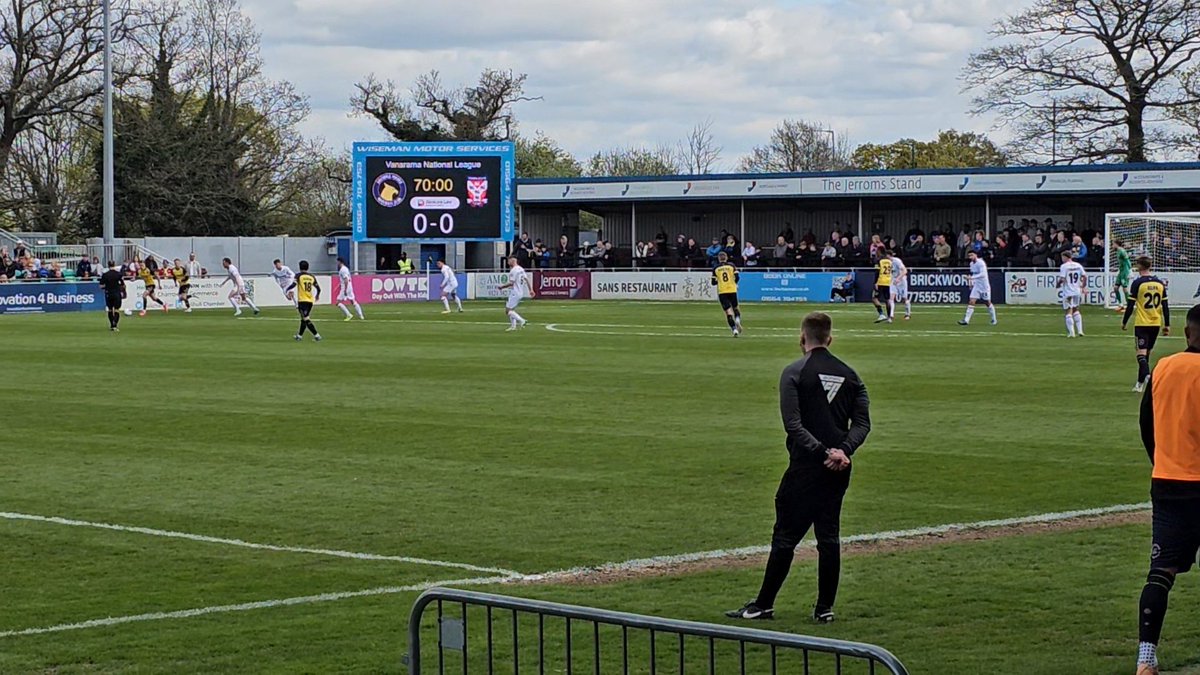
(644, 71)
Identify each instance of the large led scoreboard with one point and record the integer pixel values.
(456, 190)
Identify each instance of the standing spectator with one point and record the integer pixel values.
(824, 427)
(964, 241)
(193, 266)
(20, 250)
(541, 255)
(566, 253)
(680, 245)
(692, 256)
(783, 249)
(809, 238)
(712, 251)
(1024, 257)
(522, 243)
(406, 266)
(844, 251)
(788, 234)
(1059, 247)
(876, 248)
(1096, 258)
(1040, 253)
(1079, 250)
(942, 252)
(749, 255)
(607, 257)
(858, 255)
(83, 269)
(731, 249)
(1000, 251)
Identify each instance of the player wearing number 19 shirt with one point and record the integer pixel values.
(1150, 312)
(725, 277)
(981, 288)
(1071, 280)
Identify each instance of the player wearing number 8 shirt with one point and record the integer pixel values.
(725, 277)
(308, 292)
(1150, 312)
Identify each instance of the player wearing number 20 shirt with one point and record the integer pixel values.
(1150, 312)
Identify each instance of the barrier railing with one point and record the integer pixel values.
(482, 632)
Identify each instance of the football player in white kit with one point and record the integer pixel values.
(346, 291)
(238, 292)
(449, 287)
(899, 288)
(1072, 279)
(518, 283)
(981, 288)
(285, 277)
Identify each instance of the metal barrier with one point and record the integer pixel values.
(611, 644)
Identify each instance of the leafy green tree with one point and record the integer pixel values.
(542, 157)
(635, 161)
(950, 150)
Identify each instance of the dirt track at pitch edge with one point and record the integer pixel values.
(601, 576)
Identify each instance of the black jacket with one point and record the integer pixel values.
(824, 406)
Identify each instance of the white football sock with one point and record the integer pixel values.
(458, 301)
(446, 303)
(235, 305)
(344, 310)
(908, 308)
(357, 308)
(970, 313)
(1079, 322)
(517, 318)
(992, 311)
(1070, 326)
(251, 303)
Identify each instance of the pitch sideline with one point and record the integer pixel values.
(631, 565)
(56, 520)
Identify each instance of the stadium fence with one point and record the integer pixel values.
(482, 632)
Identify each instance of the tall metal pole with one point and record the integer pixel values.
(109, 228)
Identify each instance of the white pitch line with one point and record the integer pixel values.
(756, 333)
(247, 544)
(889, 535)
(567, 574)
(247, 606)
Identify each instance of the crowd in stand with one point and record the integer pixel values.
(1024, 244)
(23, 265)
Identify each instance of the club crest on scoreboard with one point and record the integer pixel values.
(390, 190)
(477, 191)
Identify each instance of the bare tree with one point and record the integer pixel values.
(44, 188)
(698, 152)
(797, 145)
(435, 112)
(50, 61)
(1089, 80)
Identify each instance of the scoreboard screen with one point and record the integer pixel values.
(426, 191)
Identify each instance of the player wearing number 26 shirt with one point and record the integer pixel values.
(1150, 313)
(725, 277)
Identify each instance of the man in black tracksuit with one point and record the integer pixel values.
(825, 413)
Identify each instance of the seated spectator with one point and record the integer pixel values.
(942, 251)
(858, 253)
(808, 255)
(732, 250)
(712, 251)
(565, 253)
(83, 269)
(843, 289)
(1079, 250)
(749, 255)
(829, 255)
(55, 272)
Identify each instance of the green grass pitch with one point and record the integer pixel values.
(602, 432)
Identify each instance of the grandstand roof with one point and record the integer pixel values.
(1111, 179)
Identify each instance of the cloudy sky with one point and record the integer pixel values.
(621, 72)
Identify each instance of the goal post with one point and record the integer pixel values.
(1171, 240)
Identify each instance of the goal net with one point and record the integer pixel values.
(1171, 240)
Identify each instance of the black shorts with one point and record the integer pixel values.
(728, 300)
(842, 292)
(1175, 533)
(113, 301)
(1145, 336)
(883, 293)
(183, 290)
(150, 290)
(305, 308)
